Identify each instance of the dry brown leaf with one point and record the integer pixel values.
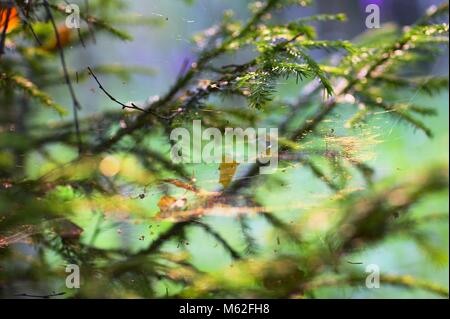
(181, 184)
(227, 171)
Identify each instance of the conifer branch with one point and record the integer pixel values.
(233, 253)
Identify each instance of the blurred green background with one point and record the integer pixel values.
(400, 154)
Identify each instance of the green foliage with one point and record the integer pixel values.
(31, 89)
(73, 189)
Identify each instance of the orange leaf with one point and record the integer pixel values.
(227, 171)
(13, 22)
(65, 37)
(166, 202)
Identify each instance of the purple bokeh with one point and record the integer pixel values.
(365, 3)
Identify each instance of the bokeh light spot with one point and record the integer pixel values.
(110, 166)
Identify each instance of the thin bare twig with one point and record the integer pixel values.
(76, 104)
(41, 296)
(123, 105)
